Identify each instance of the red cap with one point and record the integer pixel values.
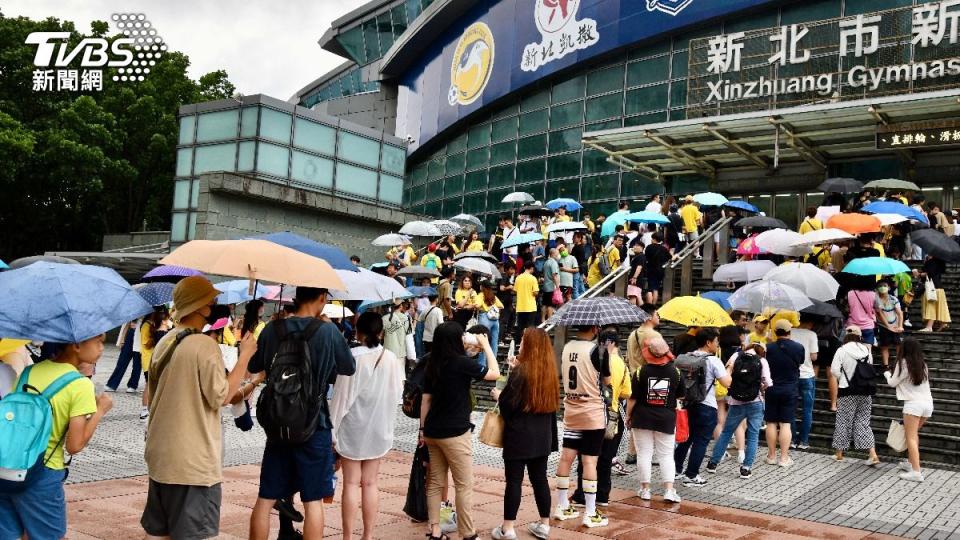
(432, 247)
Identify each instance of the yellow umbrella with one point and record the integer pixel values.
(694, 311)
(8, 345)
(255, 260)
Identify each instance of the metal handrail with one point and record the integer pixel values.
(692, 247)
(601, 286)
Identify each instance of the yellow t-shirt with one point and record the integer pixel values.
(258, 329)
(590, 225)
(757, 338)
(146, 353)
(562, 219)
(691, 217)
(468, 295)
(593, 271)
(810, 224)
(76, 399)
(484, 307)
(774, 315)
(476, 245)
(619, 380)
(613, 258)
(526, 287)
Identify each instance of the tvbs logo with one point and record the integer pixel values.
(93, 52)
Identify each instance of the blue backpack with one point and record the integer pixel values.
(26, 419)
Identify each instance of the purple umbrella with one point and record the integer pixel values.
(169, 274)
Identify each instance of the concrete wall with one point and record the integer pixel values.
(128, 240)
(232, 206)
(375, 110)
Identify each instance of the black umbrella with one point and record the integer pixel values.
(599, 311)
(935, 243)
(536, 211)
(841, 185)
(823, 309)
(761, 221)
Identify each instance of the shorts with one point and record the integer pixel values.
(655, 283)
(546, 299)
(886, 338)
(566, 291)
(181, 511)
(780, 404)
(39, 511)
(587, 442)
(305, 468)
(923, 409)
(869, 336)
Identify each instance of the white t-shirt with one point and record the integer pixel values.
(808, 339)
(714, 370)
(507, 233)
(653, 206)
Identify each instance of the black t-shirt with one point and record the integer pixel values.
(579, 252)
(656, 256)
(684, 343)
(450, 406)
(505, 297)
(655, 390)
(637, 261)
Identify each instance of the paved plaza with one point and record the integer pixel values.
(817, 497)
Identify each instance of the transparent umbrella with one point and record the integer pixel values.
(760, 295)
(807, 278)
(420, 228)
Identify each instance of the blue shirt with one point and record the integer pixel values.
(785, 357)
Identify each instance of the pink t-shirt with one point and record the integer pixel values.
(861, 309)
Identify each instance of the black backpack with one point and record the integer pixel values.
(693, 369)
(413, 390)
(864, 379)
(289, 405)
(747, 375)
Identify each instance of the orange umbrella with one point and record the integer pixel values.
(854, 223)
(255, 260)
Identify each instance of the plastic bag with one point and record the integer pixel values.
(683, 426)
(416, 504)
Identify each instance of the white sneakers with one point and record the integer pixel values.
(596, 520)
(912, 476)
(671, 496)
(144, 412)
(563, 514)
(539, 530)
(498, 534)
(644, 494)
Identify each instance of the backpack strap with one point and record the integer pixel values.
(59, 384)
(311, 329)
(22, 379)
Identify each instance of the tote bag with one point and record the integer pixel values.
(930, 291)
(896, 436)
(491, 432)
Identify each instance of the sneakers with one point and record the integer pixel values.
(787, 464)
(539, 530)
(745, 473)
(618, 469)
(671, 496)
(563, 514)
(905, 466)
(712, 468)
(144, 412)
(631, 459)
(793, 446)
(679, 477)
(803, 446)
(912, 476)
(596, 520)
(696, 481)
(130, 390)
(498, 534)
(108, 389)
(644, 494)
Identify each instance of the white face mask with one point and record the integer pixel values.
(883, 290)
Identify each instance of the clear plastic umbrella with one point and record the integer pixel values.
(368, 286)
(780, 242)
(420, 228)
(807, 278)
(762, 295)
(391, 239)
(742, 271)
(518, 197)
(468, 219)
(478, 266)
(447, 227)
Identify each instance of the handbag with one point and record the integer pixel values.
(493, 313)
(896, 436)
(415, 505)
(683, 426)
(929, 291)
(491, 432)
(557, 297)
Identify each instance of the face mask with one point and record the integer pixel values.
(217, 312)
(883, 290)
(563, 253)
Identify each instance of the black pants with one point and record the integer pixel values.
(604, 464)
(537, 471)
(524, 320)
(507, 319)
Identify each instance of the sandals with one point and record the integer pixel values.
(442, 536)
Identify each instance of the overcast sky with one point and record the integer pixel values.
(267, 47)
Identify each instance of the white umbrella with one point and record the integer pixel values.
(807, 278)
(390, 240)
(822, 236)
(368, 286)
(478, 266)
(418, 272)
(476, 255)
(468, 219)
(780, 242)
(420, 228)
(743, 271)
(761, 295)
(518, 197)
(333, 311)
(890, 219)
(561, 226)
(447, 227)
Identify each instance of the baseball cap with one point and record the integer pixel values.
(855, 330)
(193, 293)
(432, 247)
(760, 318)
(782, 325)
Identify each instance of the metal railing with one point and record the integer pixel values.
(684, 260)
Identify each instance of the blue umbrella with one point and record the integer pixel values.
(377, 303)
(570, 204)
(710, 199)
(742, 205)
(519, 239)
(332, 254)
(156, 294)
(900, 209)
(422, 291)
(3, 265)
(720, 297)
(646, 217)
(871, 266)
(65, 303)
(236, 291)
(610, 224)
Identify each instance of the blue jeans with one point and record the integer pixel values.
(703, 419)
(578, 285)
(753, 414)
(40, 510)
(494, 328)
(123, 360)
(807, 393)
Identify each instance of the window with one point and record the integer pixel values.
(595, 161)
(435, 168)
(534, 122)
(399, 15)
(653, 70)
(195, 194)
(458, 144)
(479, 136)
(192, 226)
(248, 121)
(564, 188)
(566, 140)
(566, 115)
(181, 194)
(385, 29)
(456, 163)
(530, 171)
(434, 190)
(187, 128)
(357, 181)
(535, 101)
(813, 11)
(412, 9)
(501, 176)
(495, 200)
(217, 126)
(453, 186)
(650, 98)
(605, 80)
(680, 66)
(563, 165)
(272, 159)
(313, 170)
(178, 227)
(474, 204)
(634, 185)
(532, 146)
(503, 152)
(788, 209)
(352, 41)
(358, 149)
(393, 159)
(217, 157)
(599, 187)
(602, 107)
(245, 156)
(275, 125)
(371, 44)
(678, 94)
(477, 158)
(475, 181)
(567, 90)
(184, 161)
(505, 129)
(314, 136)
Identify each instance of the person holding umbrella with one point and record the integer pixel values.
(889, 321)
(936, 312)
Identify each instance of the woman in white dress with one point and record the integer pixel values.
(364, 414)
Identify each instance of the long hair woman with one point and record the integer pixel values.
(465, 301)
(445, 421)
(472, 242)
(153, 327)
(251, 319)
(853, 406)
(528, 405)
(912, 380)
(364, 414)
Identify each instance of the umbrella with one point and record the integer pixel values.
(841, 185)
(155, 294)
(65, 303)
(891, 184)
(694, 311)
(937, 244)
(610, 224)
(570, 204)
(3, 265)
(479, 255)
(333, 311)
(743, 271)
(237, 291)
(535, 211)
(823, 309)
(377, 303)
(478, 266)
(418, 272)
(764, 222)
(891, 207)
(562, 226)
(8, 345)
(871, 266)
(468, 219)
(822, 236)
(525, 238)
(521, 197)
(645, 217)
(420, 228)
(891, 219)
(256, 260)
(710, 199)
(368, 286)
(749, 246)
(760, 295)
(281, 293)
(447, 227)
(27, 261)
(390, 240)
(422, 291)
(332, 254)
(169, 273)
(808, 278)
(742, 205)
(599, 311)
(720, 297)
(854, 223)
(780, 242)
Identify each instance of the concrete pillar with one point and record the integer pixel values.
(708, 258)
(686, 276)
(669, 276)
(723, 250)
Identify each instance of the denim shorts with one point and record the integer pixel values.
(306, 468)
(40, 510)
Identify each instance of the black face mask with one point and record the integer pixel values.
(217, 312)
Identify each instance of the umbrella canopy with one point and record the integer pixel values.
(710, 199)
(333, 311)
(390, 240)
(890, 207)
(237, 291)
(742, 205)
(257, 260)
(764, 222)
(65, 303)
(525, 238)
(854, 223)
(468, 219)
(281, 293)
(807, 278)
(645, 217)
(871, 266)
(749, 246)
(3, 265)
(418, 272)
(743, 271)
(822, 236)
(694, 311)
(937, 244)
(780, 242)
(332, 254)
(892, 183)
(420, 228)
(610, 224)
(521, 197)
(570, 204)
(27, 261)
(368, 286)
(478, 255)
(422, 291)
(447, 226)
(720, 297)
(169, 273)
(561, 226)
(478, 266)
(841, 185)
(8, 345)
(823, 309)
(891, 219)
(598, 311)
(760, 295)
(535, 211)
(155, 294)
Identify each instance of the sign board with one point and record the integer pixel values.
(918, 135)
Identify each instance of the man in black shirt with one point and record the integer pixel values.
(580, 252)
(656, 256)
(505, 295)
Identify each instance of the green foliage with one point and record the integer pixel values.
(78, 165)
